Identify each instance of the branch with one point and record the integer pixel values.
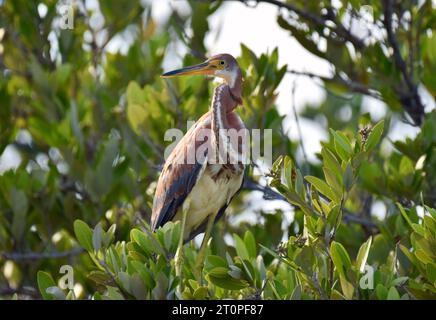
(320, 21)
(270, 194)
(24, 291)
(410, 100)
(297, 122)
(321, 292)
(29, 256)
(353, 86)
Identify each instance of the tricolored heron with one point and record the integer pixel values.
(198, 192)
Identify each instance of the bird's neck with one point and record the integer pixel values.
(235, 86)
(222, 103)
(223, 119)
(226, 98)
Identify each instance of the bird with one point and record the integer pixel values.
(206, 169)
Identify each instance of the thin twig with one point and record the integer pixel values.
(297, 122)
(270, 194)
(321, 292)
(29, 256)
(353, 86)
(29, 292)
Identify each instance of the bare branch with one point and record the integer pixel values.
(29, 256)
(270, 194)
(411, 99)
(353, 86)
(28, 292)
(297, 122)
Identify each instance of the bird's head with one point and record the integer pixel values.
(222, 66)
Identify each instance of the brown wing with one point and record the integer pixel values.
(178, 176)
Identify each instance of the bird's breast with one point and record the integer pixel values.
(214, 189)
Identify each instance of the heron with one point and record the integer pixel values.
(198, 192)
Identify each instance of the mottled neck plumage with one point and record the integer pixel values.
(225, 99)
(236, 87)
(222, 103)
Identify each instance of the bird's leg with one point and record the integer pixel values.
(179, 254)
(199, 263)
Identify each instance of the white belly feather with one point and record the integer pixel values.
(207, 197)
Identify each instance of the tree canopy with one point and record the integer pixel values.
(87, 126)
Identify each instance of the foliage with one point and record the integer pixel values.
(88, 124)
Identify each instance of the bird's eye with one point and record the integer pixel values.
(222, 62)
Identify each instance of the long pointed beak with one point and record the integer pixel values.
(202, 68)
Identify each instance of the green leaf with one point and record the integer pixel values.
(201, 293)
(97, 236)
(70, 295)
(249, 270)
(342, 145)
(348, 177)
(109, 235)
(332, 180)
(423, 257)
(381, 291)
(83, 234)
(431, 273)
(125, 280)
(347, 287)
(136, 110)
(399, 281)
(330, 161)
(137, 287)
(216, 261)
(221, 278)
(374, 136)
(340, 257)
(113, 294)
(269, 251)
(145, 273)
(362, 255)
(334, 217)
(288, 172)
(393, 294)
(296, 294)
(404, 214)
(250, 244)
(99, 277)
(324, 188)
(45, 281)
(241, 249)
(147, 242)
